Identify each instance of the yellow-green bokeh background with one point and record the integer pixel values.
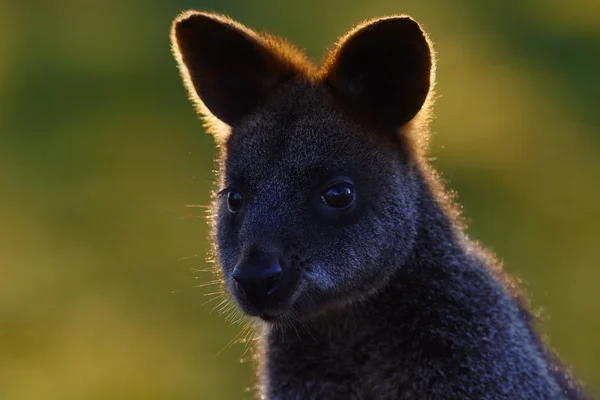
(100, 151)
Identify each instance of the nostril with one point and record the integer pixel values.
(237, 276)
(271, 277)
(271, 281)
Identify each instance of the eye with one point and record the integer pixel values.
(235, 201)
(339, 195)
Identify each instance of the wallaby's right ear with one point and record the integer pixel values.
(228, 69)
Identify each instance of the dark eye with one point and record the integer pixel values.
(340, 195)
(235, 201)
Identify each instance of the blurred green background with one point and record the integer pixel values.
(100, 152)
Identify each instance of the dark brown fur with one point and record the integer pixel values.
(385, 299)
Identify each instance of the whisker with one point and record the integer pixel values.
(196, 206)
(181, 214)
(227, 307)
(209, 301)
(203, 270)
(306, 327)
(298, 336)
(235, 317)
(209, 283)
(223, 302)
(231, 342)
(248, 341)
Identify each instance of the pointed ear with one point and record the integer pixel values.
(383, 70)
(228, 69)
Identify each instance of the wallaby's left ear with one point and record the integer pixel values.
(383, 70)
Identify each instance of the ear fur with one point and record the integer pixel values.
(228, 69)
(383, 70)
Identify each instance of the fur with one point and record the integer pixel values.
(387, 299)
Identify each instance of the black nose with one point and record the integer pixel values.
(257, 283)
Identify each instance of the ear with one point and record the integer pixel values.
(383, 70)
(228, 69)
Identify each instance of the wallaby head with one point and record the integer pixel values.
(319, 189)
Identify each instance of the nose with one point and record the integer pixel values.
(257, 283)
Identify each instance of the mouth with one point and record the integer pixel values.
(271, 318)
(269, 312)
(276, 306)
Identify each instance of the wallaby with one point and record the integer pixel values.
(335, 234)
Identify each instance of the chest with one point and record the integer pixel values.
(356, 366)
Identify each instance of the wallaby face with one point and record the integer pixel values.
(317, 191)
(303, 185)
